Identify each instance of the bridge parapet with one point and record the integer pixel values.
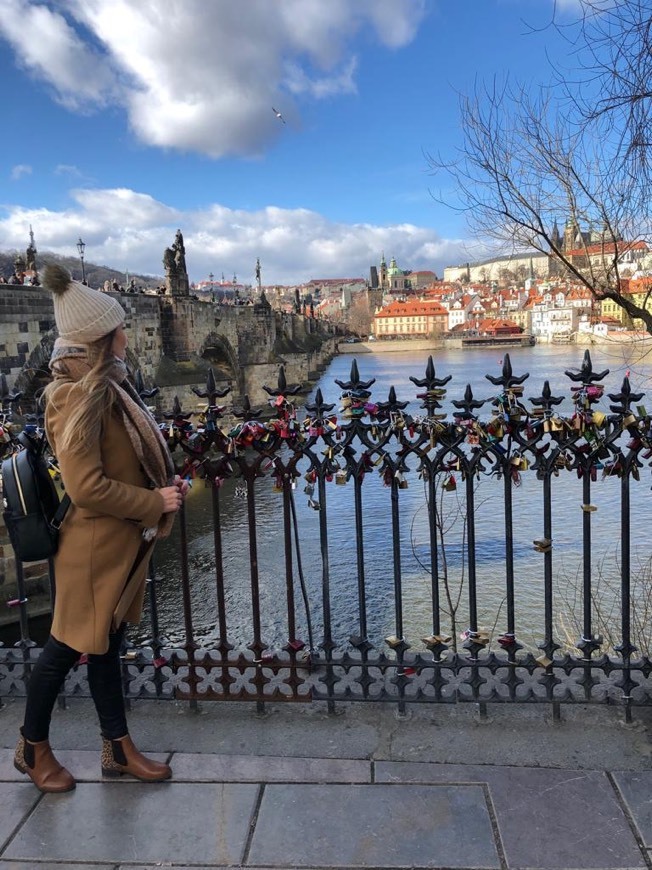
(174, 340)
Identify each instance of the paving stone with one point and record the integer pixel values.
(16, 800)
(108, 822)
(8, 772)
(546, 818)
(48, 865)
(373, 826)
(636, 789)
(248, 768)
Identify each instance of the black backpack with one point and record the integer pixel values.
(33, 512)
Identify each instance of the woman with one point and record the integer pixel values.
(119, 475)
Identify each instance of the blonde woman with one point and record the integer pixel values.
(119, 475)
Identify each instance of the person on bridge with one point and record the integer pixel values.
(124, 495)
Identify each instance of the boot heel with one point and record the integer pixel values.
(114, 774)
(20, 768)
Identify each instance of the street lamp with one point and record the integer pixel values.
(81, 247)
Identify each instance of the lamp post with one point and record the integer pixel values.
(81, 247)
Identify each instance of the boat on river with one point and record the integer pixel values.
(524, 339)
(562, 338)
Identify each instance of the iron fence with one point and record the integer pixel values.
(448, 448)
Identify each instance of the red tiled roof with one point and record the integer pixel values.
(609, 248)
(412, 308)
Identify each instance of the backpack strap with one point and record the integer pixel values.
(60, 512)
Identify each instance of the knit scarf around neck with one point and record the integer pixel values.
(69, 362)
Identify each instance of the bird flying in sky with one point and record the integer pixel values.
(278, 114)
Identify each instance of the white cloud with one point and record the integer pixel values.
(69, 170)
(18, 171)
(51, 49)
(294, 245)
(201, 76)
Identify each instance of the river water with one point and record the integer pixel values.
(394, 369)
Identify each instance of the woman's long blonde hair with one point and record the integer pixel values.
(84, 424)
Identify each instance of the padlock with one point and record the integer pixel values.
(341, 477)
(450, 484)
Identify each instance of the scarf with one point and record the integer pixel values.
(70, 362)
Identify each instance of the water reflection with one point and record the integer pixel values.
(543, 363)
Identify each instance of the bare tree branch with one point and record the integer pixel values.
(577, 150)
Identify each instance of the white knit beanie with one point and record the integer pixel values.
(81, 313)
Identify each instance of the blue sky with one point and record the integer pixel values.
(125, 119)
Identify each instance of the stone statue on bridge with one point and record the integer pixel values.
(30, 260)
(19, 269)
(174, 261)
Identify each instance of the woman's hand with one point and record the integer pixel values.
(172, 498)
(182, 485)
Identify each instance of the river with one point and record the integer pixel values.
(394, 369)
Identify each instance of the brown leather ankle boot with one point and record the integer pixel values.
(121, 756)
(39, 763)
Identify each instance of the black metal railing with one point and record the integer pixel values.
(526, 454)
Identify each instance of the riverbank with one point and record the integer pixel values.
(418, 345)
(396, 345)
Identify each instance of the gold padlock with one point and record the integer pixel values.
(598, 419)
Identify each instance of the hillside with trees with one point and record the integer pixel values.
(95, 275)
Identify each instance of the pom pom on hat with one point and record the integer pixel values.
(81, 313)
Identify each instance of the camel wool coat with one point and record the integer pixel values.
(102, 560)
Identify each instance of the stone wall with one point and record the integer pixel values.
(26, 316)
(37, 587)
(174, 340)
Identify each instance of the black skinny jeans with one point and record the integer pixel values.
(104, 680)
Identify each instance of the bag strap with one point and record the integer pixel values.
(60, 512)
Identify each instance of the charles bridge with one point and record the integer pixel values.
(173, 340)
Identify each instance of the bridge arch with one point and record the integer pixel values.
(219, 352)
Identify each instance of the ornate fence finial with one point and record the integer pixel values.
(586, 375)
(434, 388)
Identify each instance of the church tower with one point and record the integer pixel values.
(383, 273)
(571, 232)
